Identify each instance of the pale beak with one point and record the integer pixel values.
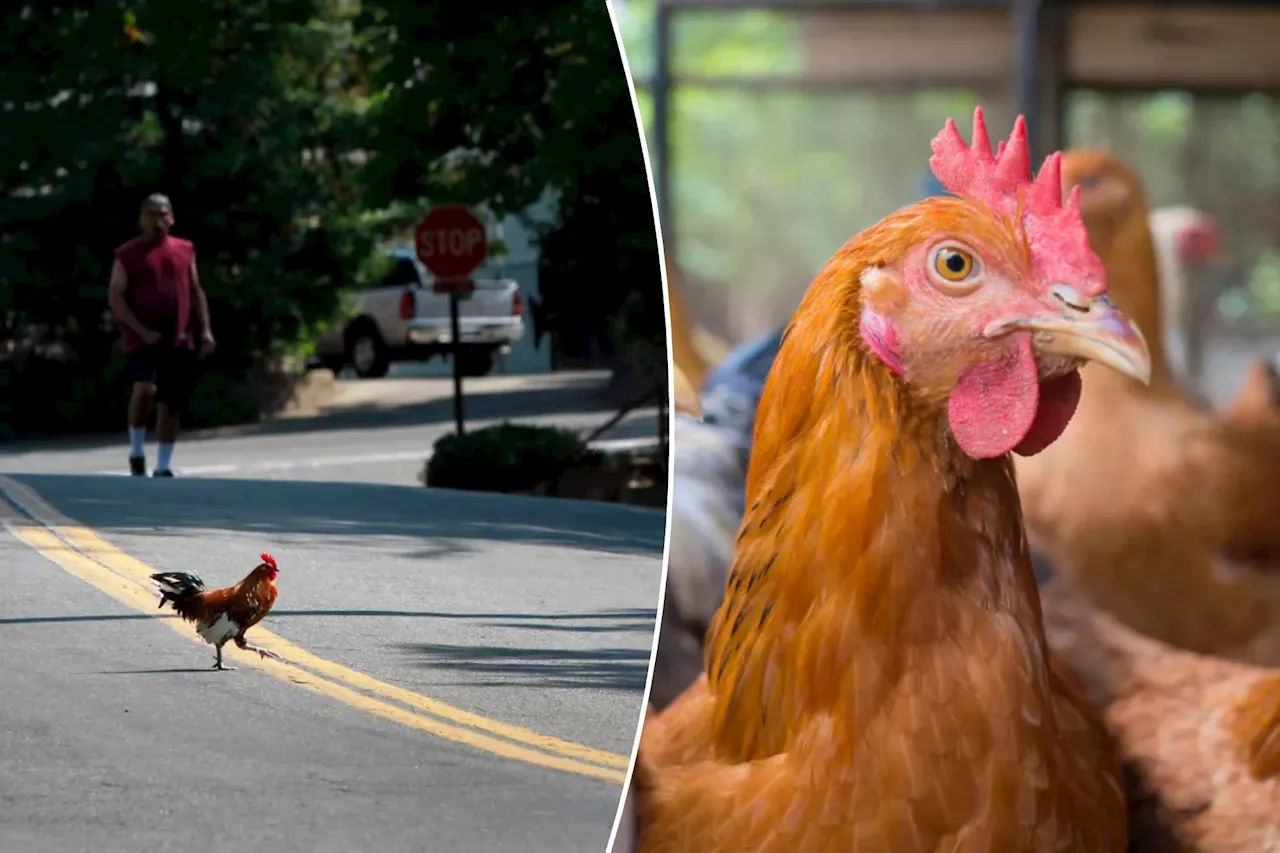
(1091, 329)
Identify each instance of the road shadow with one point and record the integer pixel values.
(102, 617)
(480, 404)
(604, 668)
(167, 671)
(583, 394)
(447, 521)
(636, 619)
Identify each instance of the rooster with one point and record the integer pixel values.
(222, 615)
(877, 677)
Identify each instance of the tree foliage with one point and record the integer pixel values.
(226, 107)
(512, 104)
(768, 182)
(291, 135)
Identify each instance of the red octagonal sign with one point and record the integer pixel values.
(450, 241)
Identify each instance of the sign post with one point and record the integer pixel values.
(451, 243)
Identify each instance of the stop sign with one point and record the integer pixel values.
(450, 241)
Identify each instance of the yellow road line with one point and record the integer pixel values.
(88, 556)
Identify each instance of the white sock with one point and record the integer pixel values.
(164, 456)
(137, 439)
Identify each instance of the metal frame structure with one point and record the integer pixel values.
(1042, 37)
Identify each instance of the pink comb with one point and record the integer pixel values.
(269, 560)
(1055, 231)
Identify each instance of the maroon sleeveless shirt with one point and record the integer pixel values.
(158, 290)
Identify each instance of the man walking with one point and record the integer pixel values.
(161, 309)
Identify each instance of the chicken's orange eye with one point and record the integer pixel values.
(953, 264)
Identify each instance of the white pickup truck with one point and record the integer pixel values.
(402, 319)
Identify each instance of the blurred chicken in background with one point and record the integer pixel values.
(1258, 401)
(1134, 502)
(1199, 736)
(1187, 242)
(1158, 509)
(708, 471)
(707, 480)
(693, 349)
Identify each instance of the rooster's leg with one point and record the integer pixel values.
(266, 653)
(217, 664)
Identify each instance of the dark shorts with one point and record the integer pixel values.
(174, 372)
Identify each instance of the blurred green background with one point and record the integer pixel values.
(297, 138)
(768, 181)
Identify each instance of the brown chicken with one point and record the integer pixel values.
(1187, 242)
(685, 353)
(222, 615)
(877, 676)
(1257, 404)
(693, 349)
(1200, 737)
(689, 350)
(1158, 510)
(686, 400)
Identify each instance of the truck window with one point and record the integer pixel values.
(404, 272)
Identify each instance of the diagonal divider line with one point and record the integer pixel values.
(83, 553)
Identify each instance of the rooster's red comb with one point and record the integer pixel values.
(269, 560)
(1054, 230)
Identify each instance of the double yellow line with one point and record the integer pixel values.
(88, 556)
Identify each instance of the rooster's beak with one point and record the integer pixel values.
(1091, 329)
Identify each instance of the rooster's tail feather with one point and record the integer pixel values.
(177, 586)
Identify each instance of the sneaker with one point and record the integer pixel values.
(161, 473)
(138, 466)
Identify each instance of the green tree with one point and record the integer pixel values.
(768, 182)
(497, 108)
(240, 112)
(291, 135)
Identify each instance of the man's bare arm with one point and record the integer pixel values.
(201, 303)
(119, 305)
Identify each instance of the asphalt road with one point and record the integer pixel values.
(377, 431)
(461, 671)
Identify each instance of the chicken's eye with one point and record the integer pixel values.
(954, 265)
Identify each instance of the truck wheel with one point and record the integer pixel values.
(475, 363)
(366, 353)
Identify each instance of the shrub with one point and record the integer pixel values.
(506, 458)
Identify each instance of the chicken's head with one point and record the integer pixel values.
(268, 567)
(1111, 193)
(988, 302)
(1193, 234)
